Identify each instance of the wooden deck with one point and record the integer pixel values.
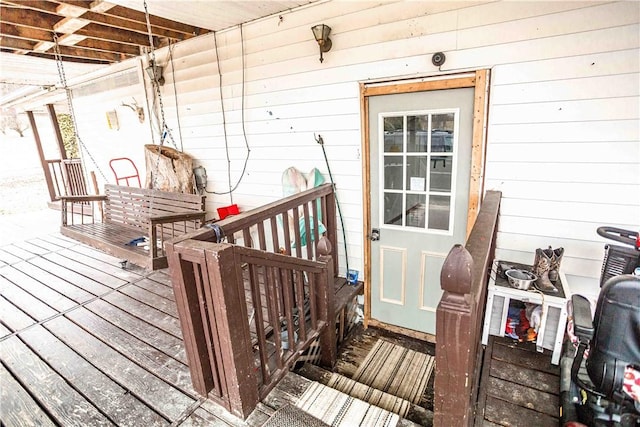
(518, 387)
(85, 342)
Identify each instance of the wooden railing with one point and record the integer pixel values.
(248, 308)
(463, 279)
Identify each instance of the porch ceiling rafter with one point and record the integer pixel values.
(88, 31)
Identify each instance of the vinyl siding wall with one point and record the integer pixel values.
(563, 127)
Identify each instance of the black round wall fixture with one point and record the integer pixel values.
(438, 59)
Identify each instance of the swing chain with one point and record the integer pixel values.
(69, 95)
(164, 129)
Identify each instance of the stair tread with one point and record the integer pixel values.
(414, 414)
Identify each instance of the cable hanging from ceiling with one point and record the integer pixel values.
(232, 188)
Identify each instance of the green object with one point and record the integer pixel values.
(303, 232)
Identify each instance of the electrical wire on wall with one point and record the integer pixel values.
(232, 188)
(320, 141)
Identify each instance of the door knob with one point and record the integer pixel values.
(375, 234)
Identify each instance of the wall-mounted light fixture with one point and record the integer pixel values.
(155, 72)
(321, 33)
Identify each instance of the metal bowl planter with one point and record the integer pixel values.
(520, 279)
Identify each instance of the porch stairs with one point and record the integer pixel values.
(365, 392)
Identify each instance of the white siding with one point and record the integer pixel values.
(563, 135)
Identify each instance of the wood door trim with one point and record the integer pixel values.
(480, 82)
(453, 83)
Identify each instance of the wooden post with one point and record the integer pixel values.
(452, 405)
(332, 225)
(231, 320)
(326, 305)
(56, 130)
(183, 262)
(43, 162)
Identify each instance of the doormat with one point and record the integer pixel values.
(341, 410)
(396, 370)
(369, 394)
(290, 416)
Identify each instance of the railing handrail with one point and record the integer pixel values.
(234, 223)
(280, 259)
(464, 280)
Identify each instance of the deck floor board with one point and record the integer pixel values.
(110, 397)
(52, 388)
(519, 386)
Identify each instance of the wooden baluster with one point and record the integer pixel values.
(300, 297)
(287, 233)
(261, 237)
(326, 308)
(316, 224)
(454, 340)
(254, 282)
(296, 232)
(307, 231)
(274, 234)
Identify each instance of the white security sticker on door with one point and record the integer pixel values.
(417, 183)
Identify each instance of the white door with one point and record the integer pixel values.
(420, 161)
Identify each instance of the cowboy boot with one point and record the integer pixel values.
(555, 263)
(541, 267)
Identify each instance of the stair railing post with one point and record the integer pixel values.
(236, 351)
(326, 305)
(454, 347)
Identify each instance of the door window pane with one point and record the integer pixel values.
(440, 173)
(393, 208)
(416, 173)
(393, 134)
(415, 210)
(417, 134)
(439, 208)
(393, 172)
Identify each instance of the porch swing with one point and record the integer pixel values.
(136, 221)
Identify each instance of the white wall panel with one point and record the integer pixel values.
(563, 135)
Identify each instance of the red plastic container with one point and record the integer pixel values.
(225, 211)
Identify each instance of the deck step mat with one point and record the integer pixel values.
(371, 395)
(341, 410)
(396, 370)
(290, 416)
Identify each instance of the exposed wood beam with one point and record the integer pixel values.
(109, 46)
(16, 44)
(51, 56)
(70, 25)
(134, 15)
(40, 5)
(87, 30)
(70, 10)
(140, 27)
(27, 17)
(95, 55)
(103, 32)
(25, 33)
(101, 6)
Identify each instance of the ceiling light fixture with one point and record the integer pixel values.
(321, 33)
